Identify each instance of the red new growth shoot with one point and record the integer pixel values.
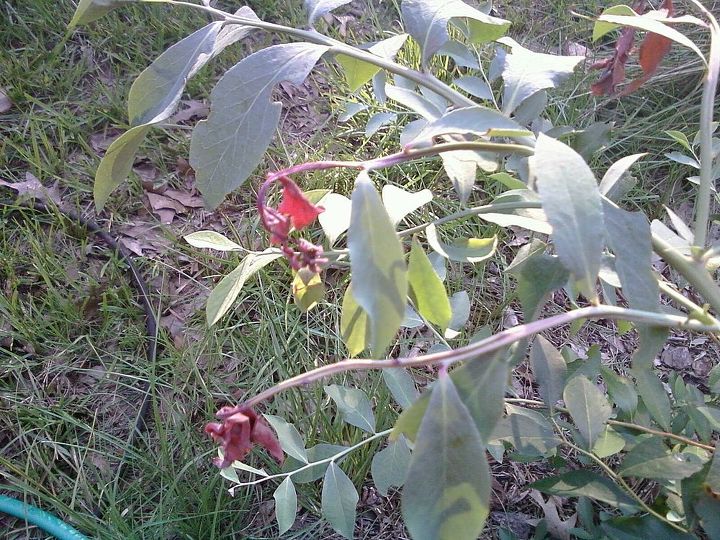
(239, 432)
(296, 205)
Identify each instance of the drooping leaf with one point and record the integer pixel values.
(90, 10)
(426, 290)
(290, 439)
(588, 407)
(641, 528)
(527, 430)
(354, 324)
(318, 452)
(401, 386)
(211, 240)
(573, 206)
(481, 384)
(461, 167)
(476, 120)
(621, 390)
(317, 8)
(379, 283)
(549, 369)
(584, 483)
(427, 21)
(354, 406)
(447, 491)
(335, 220)
(608, 444)
(390, 466)
(460, 305)
(285, 505)
(475, 86)
(472, 250)
(358, 72)
(227, 146)
(226, 292)
(308, 289)
(414, 101)
(460, 54)
(651, 459)
(339, 499)
(525, 72)
(377, 121)
(654, 396)
(155, 94)
(399, 203)
(617, 181)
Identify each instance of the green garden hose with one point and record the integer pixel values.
(49, 523)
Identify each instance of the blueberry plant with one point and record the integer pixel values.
(487, 124)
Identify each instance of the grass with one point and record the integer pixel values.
(71, 330)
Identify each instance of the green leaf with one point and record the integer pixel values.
(358, 72)
(680, 137)
(90, 10)
(401, 386)
(354, 406)
(409, 420)
(641, 528)
(588, 141)
(155, 94)
(335, 220)
(538, 276)
(285, 505)
(650, 24)
(526, 72)
(426, 290)
(654, 396)
(414, 101)
(584, 483)
(390, 466)
(290, 440)
(447, 491)
(588, 407)
(379, 273)
(318, 452)
(475, 86)
(317, 8)
(630, 239)
(399, 203)
(228, 146)
(226, 292)
(427, 21)
(528, 431)
(354, 324)
(472, 250)
(116, 164)
(468, 121)
(651, 459)
(573, 205)
(376, 121)
(608, 444)
(461, 167)
(601, 27)
(481, 384)
(621, 390)
(211, 240)
(549, 369)
(339, 499)
(617, 181)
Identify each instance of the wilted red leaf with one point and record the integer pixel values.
(652, 50)
(296, 206)
(237, 434)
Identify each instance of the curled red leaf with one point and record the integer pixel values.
(296, 205)
(238, 433)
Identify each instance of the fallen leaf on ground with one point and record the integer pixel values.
(32, 188)
(194, 108)
(101, 141)
(186, 199)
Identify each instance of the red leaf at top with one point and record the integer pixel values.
(237, 434)
(296, 206)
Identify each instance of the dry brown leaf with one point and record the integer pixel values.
(102, 140)
(186, 199)
(194, 108)
(147, 172)
(557, 528)
(161, 202)
(32, 188)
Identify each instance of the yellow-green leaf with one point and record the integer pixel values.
(426, 290)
